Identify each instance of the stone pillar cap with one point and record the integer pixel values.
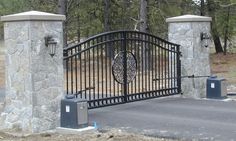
(33, 16)
(189, 18)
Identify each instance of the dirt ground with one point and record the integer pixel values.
(112, 135)
(224, 66)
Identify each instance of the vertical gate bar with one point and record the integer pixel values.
(114, 83)
(110, 65)
(127, 49)
(71, 53)
(114, 45)
(174, 66)
(155, 65)
(149, 63)
(76, 90)
(118, 85)
(89, 61)
(139, 65)
(166, 47)
(135, 53)
(159, 67)
(145, 64)
(142, 64)
(125, 66)
(117, 45)
(152, 82)
(102, 63)
(106, 57)
(94, 84)
(122, 49)
(80, 71)
(168, 69)
(164, 67)
(101, 46)
(98, 57)
(162, 75)
(67, 73)
(85, 72)
(131, 49)
(178, 69)
(171, 68)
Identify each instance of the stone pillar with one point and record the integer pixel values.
(34, 79)
(185, 31)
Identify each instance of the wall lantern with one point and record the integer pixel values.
(205, 39)
(51, 44)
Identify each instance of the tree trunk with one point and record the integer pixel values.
(143, 16)
(109, 47)
(62, 10)
(211, 5)
(78, 23)
(202, 8)
(226, 32)
(106, 15)
(144, 28)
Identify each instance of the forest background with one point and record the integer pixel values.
(85, 18)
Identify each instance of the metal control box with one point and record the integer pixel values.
(74, 113)
(216, 87)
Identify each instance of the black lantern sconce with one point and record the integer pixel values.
(51, 44)
(205, 39)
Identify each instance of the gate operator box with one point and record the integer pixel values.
(216, 87)
(74, 113)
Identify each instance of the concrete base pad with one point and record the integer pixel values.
(63, 130)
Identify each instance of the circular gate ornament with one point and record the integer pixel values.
(118, 67)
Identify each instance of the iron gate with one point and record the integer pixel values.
(122, 66)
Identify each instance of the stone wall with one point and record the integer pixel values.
(34, 79)
(185, 31)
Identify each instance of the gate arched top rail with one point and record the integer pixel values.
(116, 32)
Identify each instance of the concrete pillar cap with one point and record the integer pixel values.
(33, 16)
(189, 18)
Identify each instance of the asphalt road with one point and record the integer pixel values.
(172, 117)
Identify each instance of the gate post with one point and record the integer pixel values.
(34, 79)
(187, 31)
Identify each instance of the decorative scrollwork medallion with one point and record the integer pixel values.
(118, 67)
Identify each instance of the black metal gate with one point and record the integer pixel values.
(122, 66)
